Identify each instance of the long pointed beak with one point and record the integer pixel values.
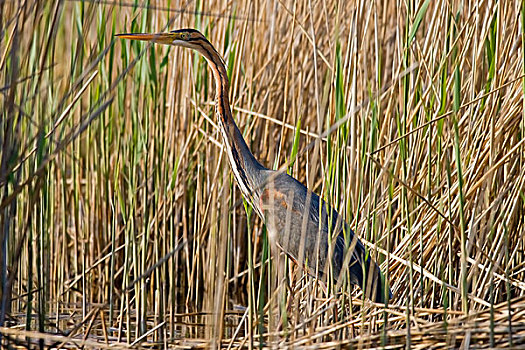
(160, 38)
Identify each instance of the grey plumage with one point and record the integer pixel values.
(307, 229)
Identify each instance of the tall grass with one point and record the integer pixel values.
(120, 220)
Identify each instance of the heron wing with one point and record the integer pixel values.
(311, 232)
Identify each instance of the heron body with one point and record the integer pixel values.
(298, 221)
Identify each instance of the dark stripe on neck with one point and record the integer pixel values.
(240, 169)
(231, 133)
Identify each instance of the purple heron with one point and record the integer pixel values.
(299, 223)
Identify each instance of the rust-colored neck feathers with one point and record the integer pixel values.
(247, 170)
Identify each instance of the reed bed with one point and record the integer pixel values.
(121, 224)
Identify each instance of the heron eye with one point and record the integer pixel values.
(184, 36)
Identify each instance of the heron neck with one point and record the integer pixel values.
(248, 172)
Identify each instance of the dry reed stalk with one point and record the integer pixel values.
(406, 116)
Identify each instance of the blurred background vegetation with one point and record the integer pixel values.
(120, 222)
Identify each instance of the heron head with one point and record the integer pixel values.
(190, 38)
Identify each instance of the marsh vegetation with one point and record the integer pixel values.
(121, 223)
